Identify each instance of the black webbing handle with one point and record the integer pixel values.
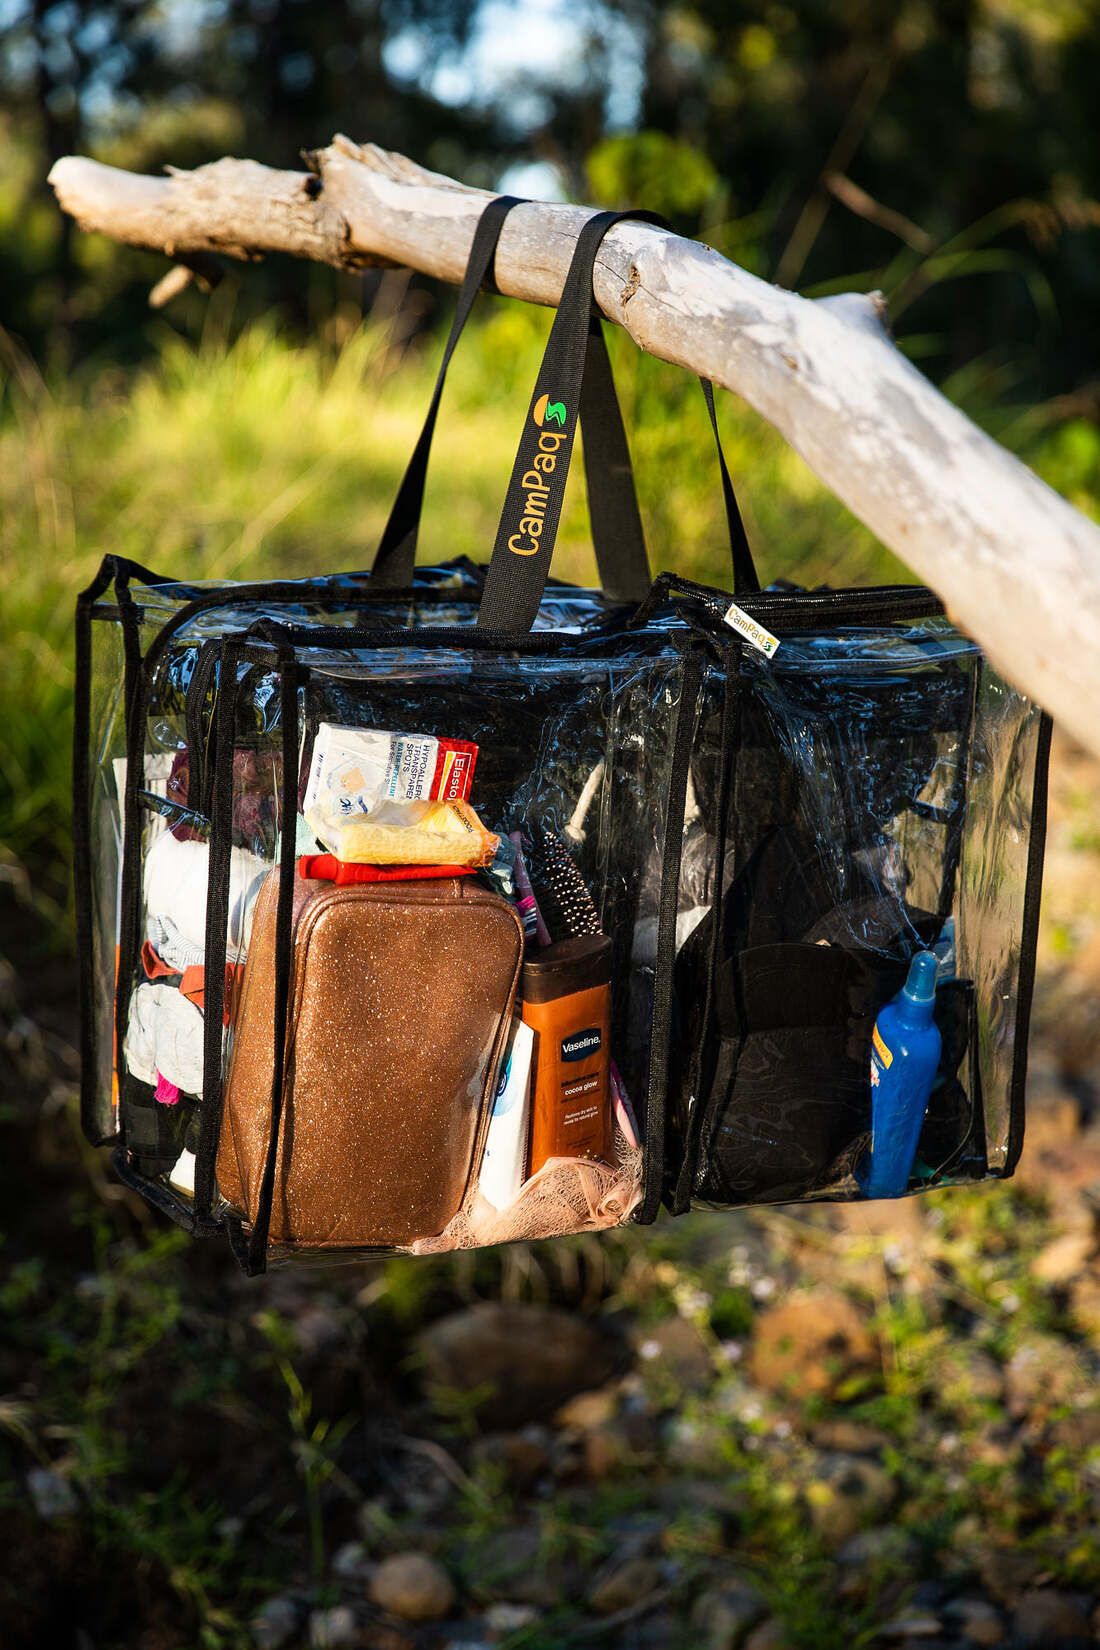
(532, 508)
(617, 535)
(745, 579)
(396, 554)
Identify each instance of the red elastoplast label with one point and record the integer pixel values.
(454, 770)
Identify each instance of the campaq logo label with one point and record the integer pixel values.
(536, 481)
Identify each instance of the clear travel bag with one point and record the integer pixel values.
(429, 909)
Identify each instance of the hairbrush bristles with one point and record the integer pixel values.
(566, 905)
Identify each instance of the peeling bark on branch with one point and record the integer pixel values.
(1018, 567)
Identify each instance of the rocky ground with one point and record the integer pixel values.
(794, 1427)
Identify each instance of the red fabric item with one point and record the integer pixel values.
(327, 868)
(192, 982)
(154, 965)
(193, 985)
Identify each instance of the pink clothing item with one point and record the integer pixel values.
(167, 1093)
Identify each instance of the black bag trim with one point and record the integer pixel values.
(1025, 987)
(199, 750)
(136, 701)
(701, 1076)
(284, 953)
(223, 728)
(162, 1198)
(790, 609)
(954, 816)
(664, 967)
(82, 855)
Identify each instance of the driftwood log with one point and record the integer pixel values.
(1018, 567)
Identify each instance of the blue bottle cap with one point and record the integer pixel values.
(920, 987)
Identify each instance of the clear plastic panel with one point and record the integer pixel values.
(880, 795)
(881, 786)
(573, 764)
(107, 767)
(992, 882)
(445, 596)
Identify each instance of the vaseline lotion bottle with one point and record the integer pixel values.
(567, 1003)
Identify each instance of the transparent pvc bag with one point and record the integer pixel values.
(766, 841)
(863, 794)
(172, 635)
(576, 748)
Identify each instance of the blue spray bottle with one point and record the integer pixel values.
(905, 1052)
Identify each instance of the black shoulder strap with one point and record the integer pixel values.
(617, 534)
(532, 508)
(745, 579)
(396, 553)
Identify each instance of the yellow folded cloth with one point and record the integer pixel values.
(406, 833)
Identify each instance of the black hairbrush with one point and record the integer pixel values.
(562, 894)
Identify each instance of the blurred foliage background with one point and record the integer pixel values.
(943, 150)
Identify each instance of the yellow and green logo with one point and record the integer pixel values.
(537, 482)
(549, 412)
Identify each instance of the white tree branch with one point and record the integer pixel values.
(1018, 567)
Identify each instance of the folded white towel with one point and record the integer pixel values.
(175, 890)
(165, 1034)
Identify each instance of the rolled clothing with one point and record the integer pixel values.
(175, 953)
(176, 875)
(164, 1038)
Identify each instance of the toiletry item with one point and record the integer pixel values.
(504, 1159)
(500, 873)
(622, 1110)
(566, 904)
(353, 769)
(405, 833)
(905, 1051)
(402, 995)
(529, 914)
(566, 993)
(944, 948)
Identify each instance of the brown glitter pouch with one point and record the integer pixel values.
(401, 996)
